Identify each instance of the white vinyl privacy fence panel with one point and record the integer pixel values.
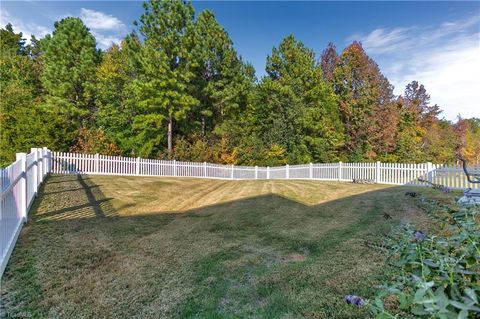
(19, 185)
(20, 180)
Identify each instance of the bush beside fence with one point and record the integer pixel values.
(20, 181)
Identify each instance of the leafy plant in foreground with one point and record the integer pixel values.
(439, 274)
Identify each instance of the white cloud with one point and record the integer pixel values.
(27, 29)
(97, 20)
(451, 74)
(383, 40)
(445, 58)
(106, 41)
(106, 29)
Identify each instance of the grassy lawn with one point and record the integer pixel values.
(118, 247)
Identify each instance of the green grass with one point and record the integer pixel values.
(126, 247)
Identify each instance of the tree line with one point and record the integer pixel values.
(176, 88)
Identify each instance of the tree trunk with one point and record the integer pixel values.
(170, 129)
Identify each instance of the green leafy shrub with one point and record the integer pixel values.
(439, 273)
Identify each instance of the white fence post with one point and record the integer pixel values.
(49, 161)
(43, 151)
(96, 163)
(35, 171)
(340, 171)
(268, 172)
(23, 185)
(378, 177)
(137, 166)
(46, 161)
(256, 172)
(40, 165)
(310, 171)
(204, 169)
(231, 175)
(287, 172)
(429, 172)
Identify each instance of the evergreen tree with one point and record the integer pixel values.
(185, 80)
(115, 103)
(276, 119)
(11, 43)
(69, 63)
(297, 106)
(163, 87)
(221, 82)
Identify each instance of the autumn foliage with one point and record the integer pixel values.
(92, 141)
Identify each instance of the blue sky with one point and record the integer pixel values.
(436, 43)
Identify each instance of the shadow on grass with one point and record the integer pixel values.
(93, 199)
(70, 190)
(84, 200)
(266, 256)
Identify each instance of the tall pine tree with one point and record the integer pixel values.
(162, 89)
(115, 100)
(69, 59)
(221, 83)
(297, 106)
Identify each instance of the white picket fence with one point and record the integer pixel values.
(20, 180)
(19, 184)
(451, 176)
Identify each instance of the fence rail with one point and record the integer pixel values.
(20, 180)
